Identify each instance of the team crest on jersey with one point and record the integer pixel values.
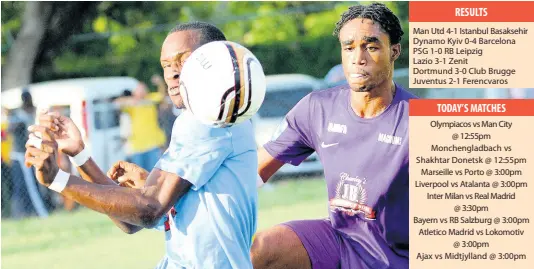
(351, 197)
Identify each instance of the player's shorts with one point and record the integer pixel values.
(329, 248)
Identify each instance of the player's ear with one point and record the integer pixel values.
(395, 52)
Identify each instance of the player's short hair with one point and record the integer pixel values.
(376, 12)
(207, 32)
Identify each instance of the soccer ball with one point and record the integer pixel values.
(222, 84)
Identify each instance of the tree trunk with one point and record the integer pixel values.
(17, 71)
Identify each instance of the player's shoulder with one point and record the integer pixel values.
(325, 97)
(402, 100)
(406, 95)
(187, 127)
(403, 96)
(330, 93)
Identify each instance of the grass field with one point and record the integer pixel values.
(85, 239)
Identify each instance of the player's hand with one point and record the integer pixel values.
(42, 155)
(128, 174)
(66, 133)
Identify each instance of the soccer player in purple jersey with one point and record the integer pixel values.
(360, 132)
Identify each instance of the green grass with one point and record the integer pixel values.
(85, 239)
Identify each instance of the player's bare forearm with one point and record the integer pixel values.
(125, 204)
(267, 164)
(92, 173)
(140, 207)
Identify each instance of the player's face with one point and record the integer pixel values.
(176, 48)
(366, 54)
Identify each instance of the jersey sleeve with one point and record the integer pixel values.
(195, 160)
(292, 143)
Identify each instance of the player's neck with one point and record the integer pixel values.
(373, 103)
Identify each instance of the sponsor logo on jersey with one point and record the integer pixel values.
(337, 128)
(389, 139)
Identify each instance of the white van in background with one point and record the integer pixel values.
(88, 101)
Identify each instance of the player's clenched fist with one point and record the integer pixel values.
(42, 153)
(66, 134)
(128, 174)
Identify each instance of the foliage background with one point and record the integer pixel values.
(85, 39)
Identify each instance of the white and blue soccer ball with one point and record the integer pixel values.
(222, 84)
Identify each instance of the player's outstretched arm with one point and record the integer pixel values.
(291, 143)
(141, 207)
(69, 140)
(90, 172)
(267, 165)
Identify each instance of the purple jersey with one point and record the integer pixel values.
(365, 160)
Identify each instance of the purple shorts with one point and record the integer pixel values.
(330, 249)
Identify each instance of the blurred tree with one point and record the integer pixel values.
(18, 68)
(44, 26)
(84, 39)
(125, 39)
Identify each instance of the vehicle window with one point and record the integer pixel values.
(63, 110)
(107, 114)
(277, 103)
(107, 119)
